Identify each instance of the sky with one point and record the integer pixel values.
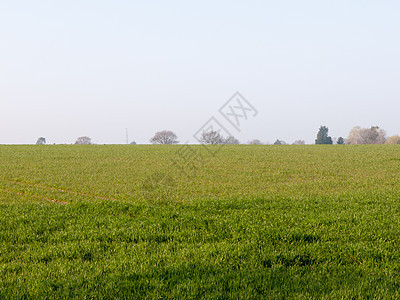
(96, 68)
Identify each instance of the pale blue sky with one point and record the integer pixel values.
(73, 68)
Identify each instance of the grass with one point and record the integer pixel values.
(252, 222)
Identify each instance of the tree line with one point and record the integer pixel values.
(83, 140)
(357, 135)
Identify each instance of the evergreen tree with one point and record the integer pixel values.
(340, 141)
(322, 136)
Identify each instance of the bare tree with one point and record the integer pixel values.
(230, 140)
(373, 135)
(354, 136)
(393, 140)
(41, 141)
(83, 140)
(164, 137)
(299, 142)
(211, 138)
(255, 142)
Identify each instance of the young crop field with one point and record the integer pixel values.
(249, 222)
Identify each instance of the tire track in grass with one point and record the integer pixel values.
(58, 190)
(36, 196)
(61, 190)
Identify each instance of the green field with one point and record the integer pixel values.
(250, 222)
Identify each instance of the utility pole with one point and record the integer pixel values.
(127, 138)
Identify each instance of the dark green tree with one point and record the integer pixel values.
(340, 141)
(322, 136)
